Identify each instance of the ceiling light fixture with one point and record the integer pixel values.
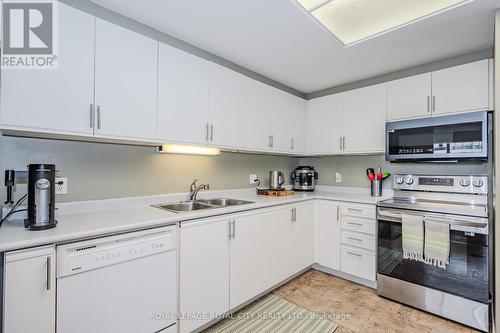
(188, 150)
(354, 21)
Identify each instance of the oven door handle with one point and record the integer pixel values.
(397, 216)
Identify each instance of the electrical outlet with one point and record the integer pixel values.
(252, 179)
(62, 185)
(338, 177)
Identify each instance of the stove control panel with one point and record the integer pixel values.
(447, 184)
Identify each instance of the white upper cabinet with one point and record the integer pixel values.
(364, 119)
(325, 124)
(125, 83)
(256, 117)
(183, 81)
(462, 88)
(228, 104)
(289, 132)
(409, 97)
(58, 100)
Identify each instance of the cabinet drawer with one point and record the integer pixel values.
(366, 226)
(358, 210)
(358, 263)
(358, 240)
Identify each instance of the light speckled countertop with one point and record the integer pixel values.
(89, 219)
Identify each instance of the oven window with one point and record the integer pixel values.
(444, 139)
(466, 275)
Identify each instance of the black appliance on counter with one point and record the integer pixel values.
(304, 178)
(41, 197)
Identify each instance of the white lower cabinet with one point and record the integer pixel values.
(204, 271)
(29, 291)
(254, 250)
(328, 234)
(357, 262)
(357, 239)
(226, 261)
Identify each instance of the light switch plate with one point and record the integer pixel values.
(338, 177)
(61, 185)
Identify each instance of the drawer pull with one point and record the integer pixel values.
(354, 223)
(355, 210)
(355, 254)
(355, 239)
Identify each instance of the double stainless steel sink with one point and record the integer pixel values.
(189, 206)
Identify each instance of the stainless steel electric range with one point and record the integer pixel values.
(461, 291)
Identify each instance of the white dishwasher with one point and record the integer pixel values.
(118, 284)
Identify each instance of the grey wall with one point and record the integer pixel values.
(353, 169)
(98, 171)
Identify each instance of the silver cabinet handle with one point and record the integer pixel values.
(428, 103)
(229, 233)
(292, 143)
(270, 141)
(212, 132)
(355, 254)
(91, 111)
(294, 214)
(49, 273)
(355, 239)
(343, 143)
(353, 223)
(338, 213)
(355, 210)
(234, 229)
(98, 117)
(433, 103)
(206, 132)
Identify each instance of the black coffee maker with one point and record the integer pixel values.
(41, 197)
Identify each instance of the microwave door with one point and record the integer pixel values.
(456, 137)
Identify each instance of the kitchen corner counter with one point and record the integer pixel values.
(83, 220)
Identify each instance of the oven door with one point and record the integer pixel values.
(455, 137)
(466, 275)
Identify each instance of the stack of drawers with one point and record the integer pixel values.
(357, 238)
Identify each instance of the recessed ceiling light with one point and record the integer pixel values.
(354, 21)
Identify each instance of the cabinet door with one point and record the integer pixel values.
(29, 291)
(256, 246)
(301, 252)
(182, 96)
(290, 129)
(228, 106)
(58, 100)
(461, 88)
(409, 97)
(364, 119)
(258, 116)
(204, 270)
(325, 123)
(125, 83)
(328, 234)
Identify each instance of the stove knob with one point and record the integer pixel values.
(399, 180)
(409, 181)
(465, 182)
(477, 183)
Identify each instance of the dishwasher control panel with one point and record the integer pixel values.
(88, 255)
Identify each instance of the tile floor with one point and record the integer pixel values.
(323, 293)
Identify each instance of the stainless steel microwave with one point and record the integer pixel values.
(444, 138)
